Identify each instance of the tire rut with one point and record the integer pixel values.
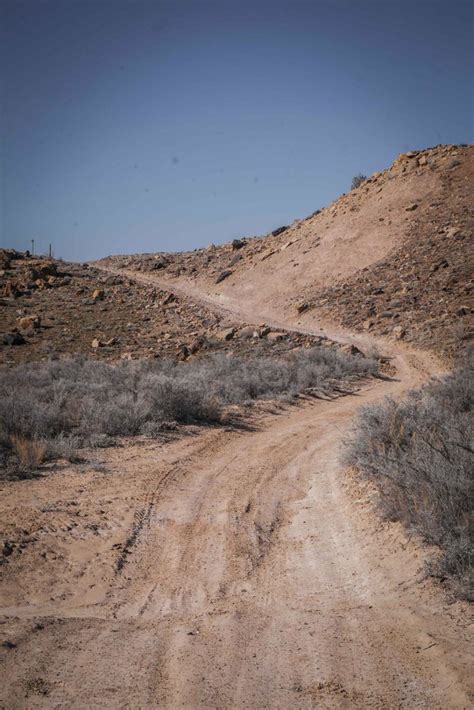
(255, 575)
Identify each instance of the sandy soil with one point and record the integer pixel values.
(228, 569)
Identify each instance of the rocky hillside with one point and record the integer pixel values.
(50, 308)
(390, 257)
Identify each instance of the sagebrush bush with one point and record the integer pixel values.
(69, 403)
(357, 180)
(419, 452)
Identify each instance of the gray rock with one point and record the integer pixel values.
(227, 334)
(13, 339)
(223, 275)
(248, 332)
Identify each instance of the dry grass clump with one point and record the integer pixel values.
(76, 402)
(420, 453)
(30, 452)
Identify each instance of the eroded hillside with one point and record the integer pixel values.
(391, 257)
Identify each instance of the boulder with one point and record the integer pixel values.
(280, 230)
(223, 275)
(182, 352)
(275, 337)
(301, 307)
(11, 289)
(29, 322)
(49, 268)
(399, 332)
(238, 244)
(403, 158)
(452, 232)
(98, 294)
(42, 270)
(5, 261)
(227, 334)
(248, 332)
(13, 339)
(411, 207)
(159, 263)
(442, 264)
(351, 349)
(268, 254)
(196, 345)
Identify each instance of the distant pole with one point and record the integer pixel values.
(50, 252)
(32, 247)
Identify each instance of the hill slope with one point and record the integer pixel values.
(51, 308)
(391, 256)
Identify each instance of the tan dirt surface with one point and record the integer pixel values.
(229, 569)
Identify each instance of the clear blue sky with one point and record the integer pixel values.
(134, 125)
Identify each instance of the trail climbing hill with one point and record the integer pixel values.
(392, 257)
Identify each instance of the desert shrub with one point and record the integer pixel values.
(72, 403)
(62, 447)
(419, 452)
(357, 180)
(28, 455)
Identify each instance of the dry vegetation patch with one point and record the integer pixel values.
(420, 454)
(47, 410)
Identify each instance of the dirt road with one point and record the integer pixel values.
(252, 573)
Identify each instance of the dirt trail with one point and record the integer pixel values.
(413, 366)
(257, 576)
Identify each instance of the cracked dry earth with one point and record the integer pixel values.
(230, 569)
